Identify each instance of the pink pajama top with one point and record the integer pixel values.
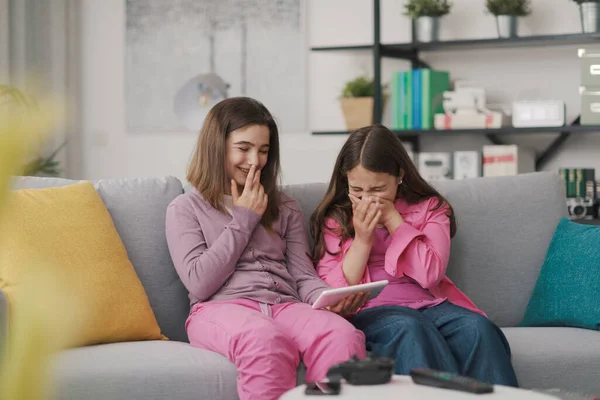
(414, 259)
(224, 256)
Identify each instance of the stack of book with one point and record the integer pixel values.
(416, 96)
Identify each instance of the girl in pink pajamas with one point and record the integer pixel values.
(380, 220)
(240, 248)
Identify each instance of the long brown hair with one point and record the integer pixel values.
(377, 149)
(207, 171)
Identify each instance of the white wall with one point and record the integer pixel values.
(507, 74)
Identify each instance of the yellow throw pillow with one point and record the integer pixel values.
(71, 231)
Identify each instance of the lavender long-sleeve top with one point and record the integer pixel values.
(221, 256)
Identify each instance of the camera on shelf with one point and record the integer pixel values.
(582, 208)
(582, 192)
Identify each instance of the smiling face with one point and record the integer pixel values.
(246, 147)
(363, 182)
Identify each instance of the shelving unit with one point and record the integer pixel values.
(411, 52)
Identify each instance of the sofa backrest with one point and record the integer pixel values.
(505, 225)
(138, 207)
(504, 228)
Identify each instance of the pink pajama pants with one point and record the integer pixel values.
(266, 342)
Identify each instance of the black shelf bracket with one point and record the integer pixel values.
(492, 137)
(556, 144)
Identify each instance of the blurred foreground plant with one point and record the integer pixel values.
(36, 163)
(37, 329)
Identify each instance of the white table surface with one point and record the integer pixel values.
(403, 388)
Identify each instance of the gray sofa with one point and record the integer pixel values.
(504, 229)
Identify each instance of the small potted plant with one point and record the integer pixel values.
(589, 11)
(506, 12)
(357, 102)
(427, 14)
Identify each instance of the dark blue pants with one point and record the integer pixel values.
(445, 337)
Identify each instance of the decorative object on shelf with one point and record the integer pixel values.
(538, 113)
(435, 166)
(465, 108)
(507, 12)
(38, 163)
(357, 102)
(427, 14)
(466, 164)
(589, 11)
(507, 160)
(582, 192)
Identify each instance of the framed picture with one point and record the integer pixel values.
(258, 48)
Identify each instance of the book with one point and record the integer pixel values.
(433, 84)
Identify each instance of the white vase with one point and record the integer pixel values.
(427, 29)
(590, 17)
(507, 26)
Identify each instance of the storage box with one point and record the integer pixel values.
(467, 164)
(590, 106)
(589, 60)
(507, 160)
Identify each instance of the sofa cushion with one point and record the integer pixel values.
(70, 232)
(154, 370)
(567, 292)
(548, 358)
(138, 207)
(505, 225)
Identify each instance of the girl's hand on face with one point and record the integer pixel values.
(253, 196)
(365, 217)
(389, 214)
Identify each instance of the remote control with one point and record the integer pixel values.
(445, 380)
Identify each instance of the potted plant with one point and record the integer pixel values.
(357, 102)
(426, 14)
(506, 12)
(589, 11)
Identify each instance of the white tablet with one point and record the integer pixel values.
(333, 296)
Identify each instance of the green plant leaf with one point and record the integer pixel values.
(427, 8)
(359, 87)
(519, 8)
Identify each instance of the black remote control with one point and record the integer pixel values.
(445, 380)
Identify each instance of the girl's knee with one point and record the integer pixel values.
(346, 332)
(405, 324)
(480, 325)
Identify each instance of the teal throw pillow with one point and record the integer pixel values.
(567, 292)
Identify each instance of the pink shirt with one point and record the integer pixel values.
(223, 256)
(401, 291)
(416, 253)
